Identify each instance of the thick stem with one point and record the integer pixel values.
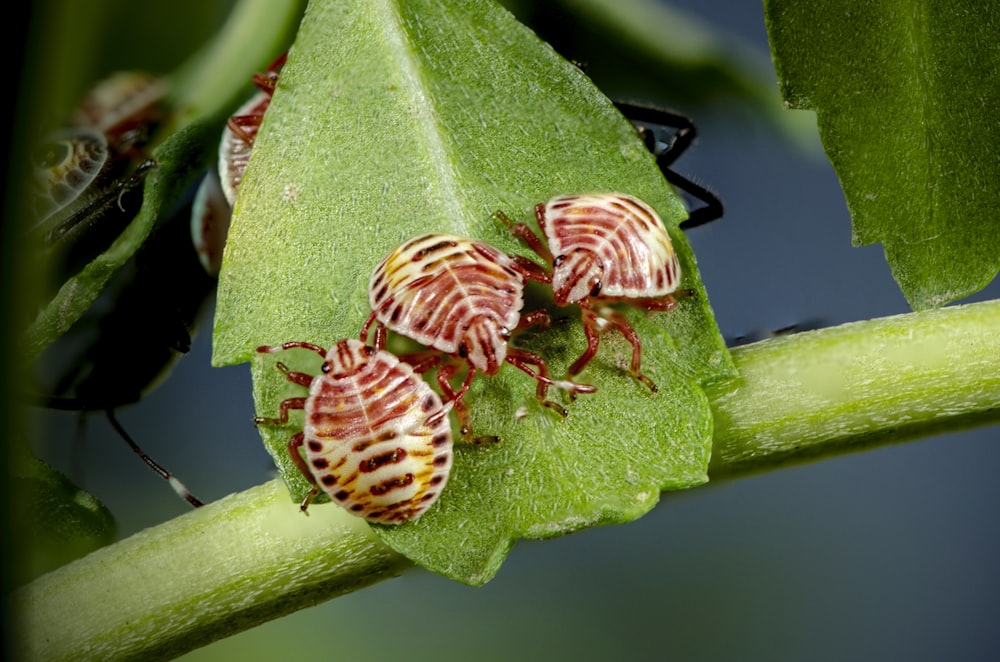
(851, 387)
(210, 573)
(248, 558)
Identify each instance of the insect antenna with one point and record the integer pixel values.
(178, 486)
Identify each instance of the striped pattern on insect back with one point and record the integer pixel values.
(376, 437)
(459, 296)
(614, 238)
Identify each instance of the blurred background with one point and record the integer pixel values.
(885, 554)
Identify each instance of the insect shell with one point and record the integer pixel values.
(376, 437)
(235, 148)
(211, 215)
(462, 298)
(607, 245)
(212, 209)
(603, 248)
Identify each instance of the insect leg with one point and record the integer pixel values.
(443, 377)
(526, 234)
(295, 451)
(521, 359)
(271, 349)
(645, 118)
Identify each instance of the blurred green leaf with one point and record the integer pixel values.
(906, 94)
(56, 522)
(393, 119)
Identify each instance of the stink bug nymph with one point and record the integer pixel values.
(375, 437)
(604, 248)
(463, 298)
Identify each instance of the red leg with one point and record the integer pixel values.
(521, 359)
(626, 330)
(295, 451)
(378, 342)
(237, 124)
(423, 361)
(300, 378)
(593, 335)
(661, 304)
(266, 81)
(444, 376)
(286, 406)
(526, 234)
(271, 349)
(530, 270)
(591, 328)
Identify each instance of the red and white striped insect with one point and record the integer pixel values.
(241, 130)
(604, 248)
(462, 298)
(376, 437)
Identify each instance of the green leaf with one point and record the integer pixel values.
(56, 521)
(393, 119)
(906, 94)
(202, 93)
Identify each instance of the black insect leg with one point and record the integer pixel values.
(178, 486)
(647, 120)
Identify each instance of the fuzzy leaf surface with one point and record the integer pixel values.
(393, 119)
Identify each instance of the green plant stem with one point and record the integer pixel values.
(218, 570)
(250, 557)
(855, 386)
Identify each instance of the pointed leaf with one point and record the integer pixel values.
(906, 94)
(393, 119)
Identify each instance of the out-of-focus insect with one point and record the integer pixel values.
(130, 339)
(462, 298)
(88, 190)
(604, 248)
(125, 107)
(375, 436)
(780, 332)
(88, 175)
